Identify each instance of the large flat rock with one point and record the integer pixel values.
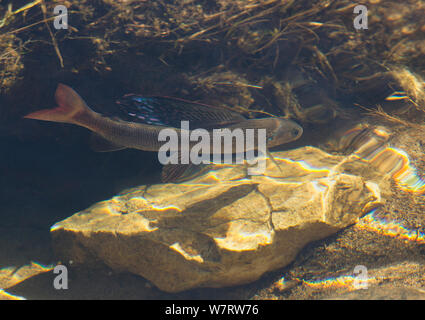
(223, 228)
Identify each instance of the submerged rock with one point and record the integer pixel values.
(223, 228)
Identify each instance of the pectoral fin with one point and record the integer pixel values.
(100, 144)
(274, 160)
(175, 173)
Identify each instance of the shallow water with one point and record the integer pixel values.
(358, 95)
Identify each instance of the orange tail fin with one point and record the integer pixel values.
(70, 107)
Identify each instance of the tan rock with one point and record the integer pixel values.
(7, 296)
(222, 228)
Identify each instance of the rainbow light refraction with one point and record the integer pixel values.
(394, 229)
(372, 146)
(349, 282)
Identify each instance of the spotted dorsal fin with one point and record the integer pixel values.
(166, 111)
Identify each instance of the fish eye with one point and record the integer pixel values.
(295, 132)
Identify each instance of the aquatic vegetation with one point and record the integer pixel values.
(277, 57)
(11, 65)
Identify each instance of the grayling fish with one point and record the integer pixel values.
(115, 134)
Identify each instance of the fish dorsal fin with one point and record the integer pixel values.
(231, 124)
(166, 111)
(100, 144)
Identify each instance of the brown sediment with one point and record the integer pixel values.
(299, 59)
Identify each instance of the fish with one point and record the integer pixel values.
(147, 117)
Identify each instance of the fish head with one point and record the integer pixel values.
(284, 131)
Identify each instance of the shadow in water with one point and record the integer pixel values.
(46, 181)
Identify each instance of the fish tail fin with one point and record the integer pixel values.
(69, 110)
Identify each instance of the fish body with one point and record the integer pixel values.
(147, 117)
(72, 109)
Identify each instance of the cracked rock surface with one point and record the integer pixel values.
(223, 228)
